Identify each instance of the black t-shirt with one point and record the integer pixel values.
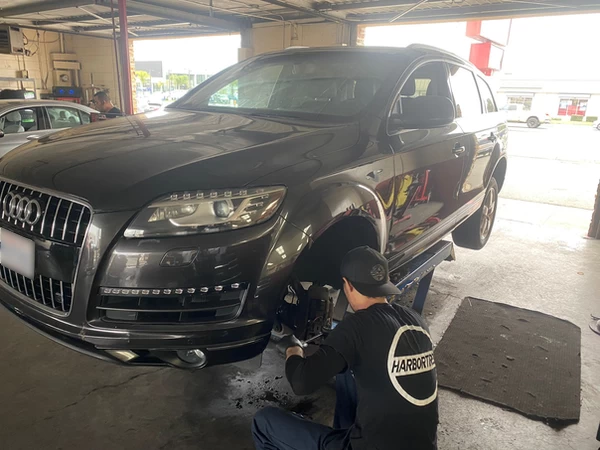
(113, 112)
(389, 350)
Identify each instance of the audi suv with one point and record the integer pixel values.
(186, 236)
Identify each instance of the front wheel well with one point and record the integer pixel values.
(320, 263)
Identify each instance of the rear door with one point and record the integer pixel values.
(19, 126)
(429, 165)
(480, 134)
(65, 117)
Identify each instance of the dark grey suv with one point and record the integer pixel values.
(185, 236)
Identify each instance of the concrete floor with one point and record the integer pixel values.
(555, 164)
(53, 398)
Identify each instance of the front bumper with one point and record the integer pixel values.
(236, 341)
(237, 338)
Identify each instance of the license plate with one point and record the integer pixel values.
(17, 253)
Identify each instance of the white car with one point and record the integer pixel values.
(25, 120)
(596, 125)
(518, 113)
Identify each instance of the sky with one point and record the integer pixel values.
(200, 55)
(559, 47)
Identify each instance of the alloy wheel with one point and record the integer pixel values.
(488, 213)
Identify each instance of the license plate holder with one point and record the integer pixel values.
(17, 253)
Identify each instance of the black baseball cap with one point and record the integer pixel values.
(368, 271)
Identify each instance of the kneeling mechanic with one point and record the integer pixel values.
(382, 357)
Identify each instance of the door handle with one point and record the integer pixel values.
(492, 137)
(458, 149)
(33, 137)
(374, 175)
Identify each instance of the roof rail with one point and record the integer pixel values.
(432, 49)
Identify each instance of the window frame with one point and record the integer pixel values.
(81, 113)
(50, 127)
(39, 117)
(473, 74)
(403, 79)
(478, 79)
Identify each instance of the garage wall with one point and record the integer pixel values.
(38, 64)
(265, 38)
(97, 58)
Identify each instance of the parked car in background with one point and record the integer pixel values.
(185, 236)
(24, 120)
(518, 113)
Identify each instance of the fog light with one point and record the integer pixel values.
(193, 357)
(179, 257)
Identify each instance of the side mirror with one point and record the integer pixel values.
(430, 111)
(1, 134)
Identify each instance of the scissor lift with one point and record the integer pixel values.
(420, 270)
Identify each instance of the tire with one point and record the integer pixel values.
(476, 230)
(533, 122)
(598, 127)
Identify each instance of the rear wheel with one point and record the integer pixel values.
(533, 122)
(476, 230)
(598, 127)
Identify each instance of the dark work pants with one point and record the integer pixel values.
(276, 429)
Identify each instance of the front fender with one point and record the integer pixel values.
(306, 219)
(320, 209)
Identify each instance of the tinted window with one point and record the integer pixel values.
(61, 117)
(428, 80)
(486, 94)
(466, 94)
(19, 121)
(335, 84)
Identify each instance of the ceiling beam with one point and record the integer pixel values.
(174, 33)
(42, 6)
(490, 11)
(306, 10)
(180, 15)
(60, 30)
(78, 19)
(132, 25)
(327, 6)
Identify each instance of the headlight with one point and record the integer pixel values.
(206, 212)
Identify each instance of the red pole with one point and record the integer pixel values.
(124, 52)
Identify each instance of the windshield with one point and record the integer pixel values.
(307, 85)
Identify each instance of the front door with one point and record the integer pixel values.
(429, 164)
(20, 125)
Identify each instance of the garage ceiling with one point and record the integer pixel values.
(154, 18)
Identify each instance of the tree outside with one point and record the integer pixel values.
(144, 78)
(178, 81)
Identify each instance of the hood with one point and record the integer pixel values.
(124, 163)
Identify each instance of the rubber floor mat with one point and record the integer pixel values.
(520, 359)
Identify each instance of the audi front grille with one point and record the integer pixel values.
(59, 219)
(39, 214)
(54, 294)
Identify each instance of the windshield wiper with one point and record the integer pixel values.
(273, 115)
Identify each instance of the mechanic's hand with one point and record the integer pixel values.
(287, 342)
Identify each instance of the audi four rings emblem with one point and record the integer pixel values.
(21, 208)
